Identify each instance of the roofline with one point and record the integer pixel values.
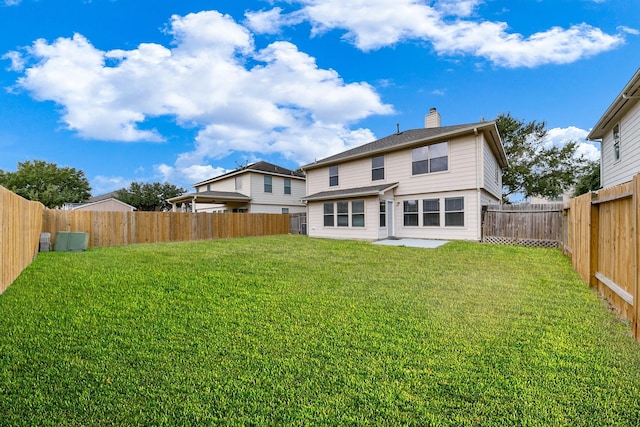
(618, 105)
(471, 128)
(369, 193)
(81, 205)
(246, 169)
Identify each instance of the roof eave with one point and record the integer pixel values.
(616, 109)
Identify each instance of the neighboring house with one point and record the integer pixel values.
(563, 198)
(618, 131)
(426, 183)
(103, 203)
(260, 187)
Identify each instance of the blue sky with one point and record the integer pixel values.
(183, 90)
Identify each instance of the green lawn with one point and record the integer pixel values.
(288, 330)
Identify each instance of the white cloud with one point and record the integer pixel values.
(373, 24)
(560, 136)
(284, 103)
(629, 30)
(12, 2)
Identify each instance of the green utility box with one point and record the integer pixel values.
(68, 241)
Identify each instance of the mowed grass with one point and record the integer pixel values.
(289, 330)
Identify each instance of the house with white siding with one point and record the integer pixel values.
(259, 187)
(618, 131)
(428, 183)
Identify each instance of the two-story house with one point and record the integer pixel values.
(259, 187)
(428, 183)
(618, 131)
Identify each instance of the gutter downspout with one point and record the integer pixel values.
(479, 169)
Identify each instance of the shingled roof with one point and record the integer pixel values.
(261, 167)
(409, 138)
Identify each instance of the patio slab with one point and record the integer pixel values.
(412, 243)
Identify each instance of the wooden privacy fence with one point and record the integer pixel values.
(603, 243)
(525, 225)
(20, 225)
(123, 228)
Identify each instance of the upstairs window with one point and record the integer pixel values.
(616, 142)
(287, 186)
(377, 168)
(268, 187)
(208, 187)
(430, 158)
(333, 176)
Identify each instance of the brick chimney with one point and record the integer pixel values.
(432, 120)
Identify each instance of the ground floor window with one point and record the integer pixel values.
(410, 213)
(430, 210)
(357, 213)
(383, 213)
(454, 212)
(343, 214)
(328, 214)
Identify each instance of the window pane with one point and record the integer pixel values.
(357, 220)
(377, 162)
(238, 183)
(377, 174)
(431, 205)
(431, 219)
(328, 208)
(383, 214)
(343, 207)
(410, 219)
(343, 220)
(454, 204)
(411, 206)
(438, 150)
(287, 186)
(333, 170)
(420, 153)
(455, 219)
(439, 164)
(333, 176)
(333, 181)
(285, 210)
(328, 220)
(420, 167)
(357, 206)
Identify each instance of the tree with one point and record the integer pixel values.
(589, 181)
(47, 183)
(149, 197)
(534, 168)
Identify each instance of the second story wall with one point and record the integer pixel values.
(617, 171)
(277, 195)
(464, 159)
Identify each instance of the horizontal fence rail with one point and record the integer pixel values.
(20, 225)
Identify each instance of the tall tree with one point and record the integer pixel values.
(149, 197)
(589, 181)
(534, 168)
(47, 183)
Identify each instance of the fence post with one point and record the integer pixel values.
(593, 243)
(636, 262)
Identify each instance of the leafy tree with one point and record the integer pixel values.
(47, 183)
(535, 169)
(149, 197)
(589, 181)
